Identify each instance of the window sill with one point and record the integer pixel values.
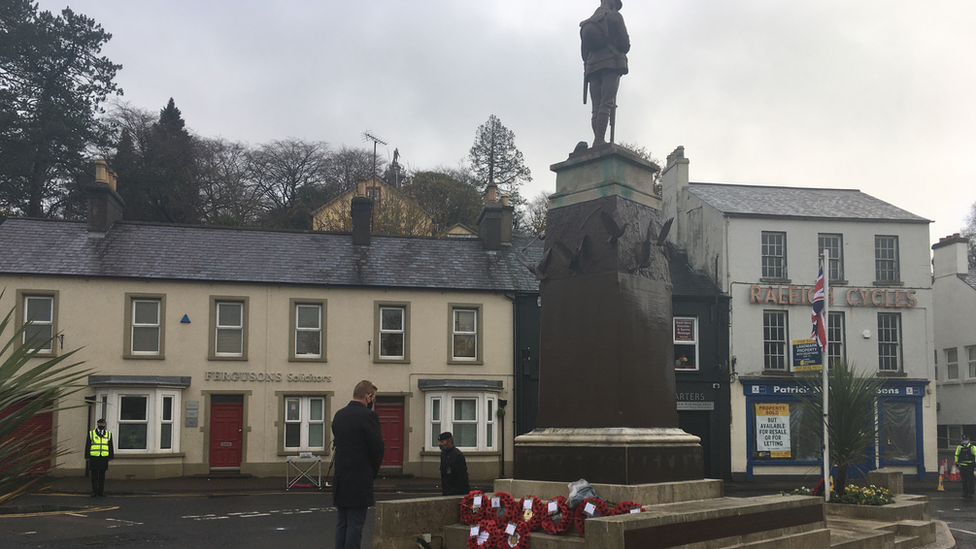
(321, 360)
(122, 454)
(892, 374)
(467, 453)
(888, 283)
(228, 358)
(144, 357)
(777, 373)
(477, 362)
(294, 453)
(839, 282)
(775, 280)
(391, 361)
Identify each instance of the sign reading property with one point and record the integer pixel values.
(773, 430)
(806, 355)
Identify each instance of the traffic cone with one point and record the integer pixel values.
(942, 466)
(954, 473)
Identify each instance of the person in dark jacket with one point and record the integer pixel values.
(358, 455)
(454, 470)
(99, 450)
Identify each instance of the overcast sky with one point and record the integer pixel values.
(876, 95)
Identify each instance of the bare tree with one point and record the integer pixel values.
(969, 231)
(230, 196)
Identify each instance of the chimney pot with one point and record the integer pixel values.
(491, 194)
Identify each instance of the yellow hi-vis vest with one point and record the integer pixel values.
(99, 445)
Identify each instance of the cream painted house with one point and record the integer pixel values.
(393, 211)
(761, 245)
(226, 349)
(955, 341)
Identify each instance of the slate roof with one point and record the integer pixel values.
(193, 253)
(761, 201)
(970, 278)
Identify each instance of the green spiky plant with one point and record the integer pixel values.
(29, 388)
(853, 422)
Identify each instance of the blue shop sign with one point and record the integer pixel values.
(892, 388)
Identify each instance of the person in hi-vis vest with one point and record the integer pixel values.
(98, 452)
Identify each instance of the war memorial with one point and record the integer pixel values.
(607, 403)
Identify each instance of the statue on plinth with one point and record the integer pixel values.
(604, 45)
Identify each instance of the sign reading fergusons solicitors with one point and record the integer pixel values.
(265, 377)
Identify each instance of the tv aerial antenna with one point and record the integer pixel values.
(369, 136)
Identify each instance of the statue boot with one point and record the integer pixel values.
(600, 123)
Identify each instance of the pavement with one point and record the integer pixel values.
(242, 484)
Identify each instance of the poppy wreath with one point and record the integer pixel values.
(486, 536)
(531, 515)
(557, 521)
(503, 508)
(589, 508)
(625, 507)
(470, 513)
(514, 535)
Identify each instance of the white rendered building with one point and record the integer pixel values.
(761, 246)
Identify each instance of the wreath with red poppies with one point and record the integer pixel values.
(589, 508)
(514, 535)
(531, 512)
(503, 508)
(557, 517)
(484, 535)
(625, 507)
(474, 507)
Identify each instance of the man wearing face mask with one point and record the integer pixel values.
(98, 451)
(454, 470)
(358, 455)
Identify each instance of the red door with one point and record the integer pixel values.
(226, 435)
(391, 425)
(39, 430)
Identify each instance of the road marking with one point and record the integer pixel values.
(963, 531)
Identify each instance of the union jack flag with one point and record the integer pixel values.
(817, 316)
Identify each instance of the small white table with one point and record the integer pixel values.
(299, 468)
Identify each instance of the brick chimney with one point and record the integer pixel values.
(949, 256)
(495, 220)
(104, 203)
(362, 214)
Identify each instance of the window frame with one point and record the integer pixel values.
(952, 363)
(880, 262)
(693, 343)
(486, 404)
(452, 310)
(833, 341)
(294, 329)
(767, 249)
(785, 341)
(111, 398)
(889, 344)
(971, 360)
(130, 326)
(835, 268)
(21, 317)
(215, 301)
(305, 421)
(378, 307)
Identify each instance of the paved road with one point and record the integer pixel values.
(290, 520)
(958, 514)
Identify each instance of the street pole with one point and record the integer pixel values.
(824, 367)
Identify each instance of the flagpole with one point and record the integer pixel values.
(825, 360)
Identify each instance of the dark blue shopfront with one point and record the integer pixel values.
(776, 437)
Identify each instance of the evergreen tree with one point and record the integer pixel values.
(496, 160)
(52, 85)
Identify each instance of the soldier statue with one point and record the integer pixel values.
(605, 44)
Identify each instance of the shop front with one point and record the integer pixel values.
(780, 442)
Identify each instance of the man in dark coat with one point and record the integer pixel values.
(454, 470)
(358, 455)
(99, 450)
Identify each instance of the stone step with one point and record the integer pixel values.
(861, 539)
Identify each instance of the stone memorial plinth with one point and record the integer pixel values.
(607, 404)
